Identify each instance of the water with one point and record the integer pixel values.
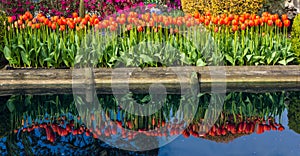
(265, 123)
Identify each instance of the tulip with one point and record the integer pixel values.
(234, 28)
(286, 23)
(270, 22)
(140, 28)
(284, 17)
(280, 128)
(216, 29)
(53, 26)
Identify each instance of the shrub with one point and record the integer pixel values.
(3, 61)
(296, 37)
(2, 29)
(222, 6)
(66, 7)
(273, 7)
(15, 7)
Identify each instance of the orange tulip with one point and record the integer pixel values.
(243, 26)
(230, 17)
(74, 15)
(270, 22)
(49, 24)
(274, 17)
(242, 19)
(234, 22)
(256, 22)
(140, 28)
(207, 13)
(286, 23)
(234, 28)
(251, 23)
(206, 22)
(201, 19)
(280, 128)
(78, 20)
(37, 26)
(84, 21)
(53, 26)
(196, 14)
(216, 29)
(29, 24)
(264, 19)
(284, 17)
(46, 21)
(10, 19)
(20, 22)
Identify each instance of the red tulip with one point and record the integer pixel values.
(62, 27)
(264, 19)
(284, 17)
(216, 29)
(270, 22)
(196, 15)
(202, 19)
(274, 17)
(243, 26)
(234, 22)
(251, 23)
(230, 17)
(33, 26)
(185, 134)
(286, 23)
(37, 26)
(140, 28)
(256, 22)
(234, 28)
(280, 128)
(206, 22)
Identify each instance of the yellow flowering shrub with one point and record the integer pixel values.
(222, 6)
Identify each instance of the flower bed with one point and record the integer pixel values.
(123, 39)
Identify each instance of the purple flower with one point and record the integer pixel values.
(31, 7)
(14, 17)
(53, 11)
(14, 10)
(21, 10)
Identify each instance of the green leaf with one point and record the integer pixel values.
(10, 105)
(249, 57)
(7, 53)
(25, 58)
(200, 62)
(290, 59)
(283, 62)
(230, 59)
(146, 58)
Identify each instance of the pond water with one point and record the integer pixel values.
(265, 123)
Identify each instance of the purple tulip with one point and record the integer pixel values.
(31, 7)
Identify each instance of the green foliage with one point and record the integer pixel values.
(273, 7)
(296, 37)
(294, 113)
(2, 30)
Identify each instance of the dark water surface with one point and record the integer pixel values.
(248, 124)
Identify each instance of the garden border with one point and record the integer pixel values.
(249, 78)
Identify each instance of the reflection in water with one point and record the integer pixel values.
(50, 124)
(294, 112)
